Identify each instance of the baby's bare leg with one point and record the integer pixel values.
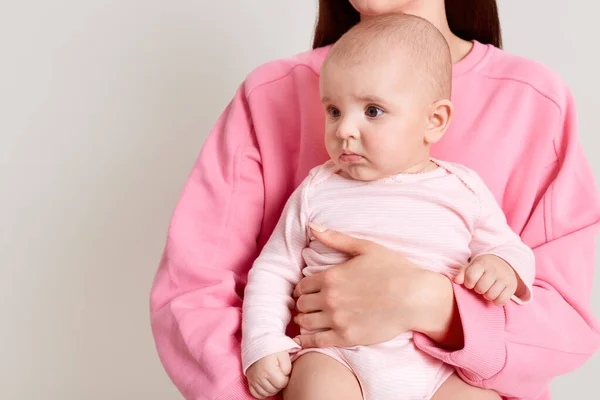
(317, 376)
(456, 389)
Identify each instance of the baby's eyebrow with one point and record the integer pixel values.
(325, 99)
(370, 99)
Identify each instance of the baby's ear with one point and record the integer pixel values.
(438, 120)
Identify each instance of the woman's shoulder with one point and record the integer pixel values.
(295, 67)
(536, 75)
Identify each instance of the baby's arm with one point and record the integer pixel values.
(268, 302)
(502, 266)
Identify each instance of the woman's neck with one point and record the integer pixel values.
(459, 48)
(434, 11)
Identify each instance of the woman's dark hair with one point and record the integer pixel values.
(468, 19)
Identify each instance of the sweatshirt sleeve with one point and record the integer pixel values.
(195, 303)
(268, 296)
(493, 236)
(517, 350)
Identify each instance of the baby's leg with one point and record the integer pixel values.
(317, 376)
(455, 388)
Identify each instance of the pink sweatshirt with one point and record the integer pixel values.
(438, 220)
(515, 125)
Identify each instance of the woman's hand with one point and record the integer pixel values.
(374, 297)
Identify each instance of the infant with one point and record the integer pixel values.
(385, 87)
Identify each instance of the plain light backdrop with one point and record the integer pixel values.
(104, 105)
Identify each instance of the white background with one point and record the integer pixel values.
(104, 105)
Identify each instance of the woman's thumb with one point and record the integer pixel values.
(338, 241)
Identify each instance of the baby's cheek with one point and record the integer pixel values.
(386, 155)
(332, 147)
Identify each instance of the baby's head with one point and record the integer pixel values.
(385, 86)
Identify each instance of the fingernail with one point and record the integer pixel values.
(317, 227)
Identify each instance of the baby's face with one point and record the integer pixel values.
(375, 121)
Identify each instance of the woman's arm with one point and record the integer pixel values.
(517, 350)
(195, 303)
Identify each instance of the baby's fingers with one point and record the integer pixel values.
(494, 292)
(459, 279)
(285, 362)
(473, 274)
(484, 283)
(504, 297)
(257, 391)
(277, 381)
(267, 383)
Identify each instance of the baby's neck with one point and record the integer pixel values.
(423, 166)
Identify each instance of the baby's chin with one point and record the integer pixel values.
(361, 173)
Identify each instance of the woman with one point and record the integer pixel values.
(514, 124)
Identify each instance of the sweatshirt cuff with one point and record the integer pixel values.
(484, 351)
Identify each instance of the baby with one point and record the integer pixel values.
(385, 87)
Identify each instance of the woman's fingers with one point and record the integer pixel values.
(313, 321)
(308, 303)
(340, 241)
(308, 285)
(320, 339)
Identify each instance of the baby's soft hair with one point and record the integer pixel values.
(401, 38)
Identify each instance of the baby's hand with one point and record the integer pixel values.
(490, 276)
(269, 375)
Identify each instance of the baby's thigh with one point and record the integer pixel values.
(317, 376)
(455, 388)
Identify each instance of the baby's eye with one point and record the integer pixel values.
(373, 111)
(333, 112)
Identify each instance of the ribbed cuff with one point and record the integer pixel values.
(484, 351)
